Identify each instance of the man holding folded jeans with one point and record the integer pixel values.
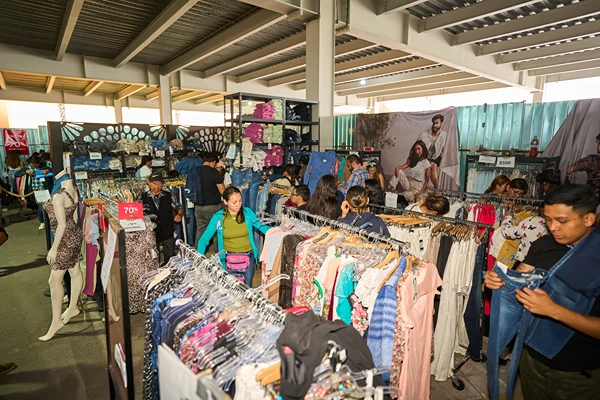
(573, 372)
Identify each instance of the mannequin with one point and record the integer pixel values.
(65, 253)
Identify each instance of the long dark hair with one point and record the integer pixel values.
(324, 200)
(412, 156)
(376, 195)
(239, 218)
(13, 160)
(291, 170)
(145, 159)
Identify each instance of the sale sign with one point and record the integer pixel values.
(131, 217)
(15, 139)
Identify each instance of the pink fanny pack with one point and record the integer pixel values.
(237, 263)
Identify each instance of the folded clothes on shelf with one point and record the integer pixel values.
(274, 157)
(273, 134)
(254, 132)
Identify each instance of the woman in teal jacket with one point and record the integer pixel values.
(234, 228)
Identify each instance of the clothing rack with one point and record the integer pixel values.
(112, 205)
(322, 221)
(397, 211)
(486, 197)
(273, 312)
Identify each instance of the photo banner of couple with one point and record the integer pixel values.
(419, 151)
(15, 139)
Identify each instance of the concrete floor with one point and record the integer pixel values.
(73, 364)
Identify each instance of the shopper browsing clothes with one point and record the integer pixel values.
(39, 172)
(359, 174)
(561, 359)
(548, 179)
(355, 212)
(432, 204)
(212, 187)
(498, 186)
(300, 196)
(234, 226)
(144, 170)
(591, 165)
(160, 205)
(324, 201)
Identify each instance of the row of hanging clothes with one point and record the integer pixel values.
(480, 177)
(239, 345)
(365, 280)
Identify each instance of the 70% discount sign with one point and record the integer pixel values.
(131, 216)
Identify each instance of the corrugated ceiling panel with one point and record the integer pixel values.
(362, 53)
(148, 90)
(205, 19)
(70, 84)
(109, 87)
(21, 79)
(31, 23)
(279, 58)
(106, 27)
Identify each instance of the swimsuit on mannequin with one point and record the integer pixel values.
(65, 253)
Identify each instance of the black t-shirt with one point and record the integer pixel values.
(210, 178)
(582, 352)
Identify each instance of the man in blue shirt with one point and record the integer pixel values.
(359, 174)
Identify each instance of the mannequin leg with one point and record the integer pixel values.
(56, 295)
(76, 286)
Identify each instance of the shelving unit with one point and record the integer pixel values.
(309, 130)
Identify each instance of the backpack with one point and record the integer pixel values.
(321, 163)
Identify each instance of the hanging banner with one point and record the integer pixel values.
(15, 139)
(419, 151)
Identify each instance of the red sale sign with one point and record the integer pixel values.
(15, 139)
(129, 211)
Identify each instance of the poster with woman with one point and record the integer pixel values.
(419, 151)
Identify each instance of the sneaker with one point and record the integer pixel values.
(42, 227)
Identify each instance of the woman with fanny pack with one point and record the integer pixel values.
(234, 228)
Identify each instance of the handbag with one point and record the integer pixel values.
(237, 263)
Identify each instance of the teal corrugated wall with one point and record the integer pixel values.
(343, 128)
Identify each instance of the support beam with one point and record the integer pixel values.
(68, 25)
(2, 82)
(401, 84)
(539, 39)
(50, 83)
(270, 50)
(479, 10)
(161, 23)
(255, 23)
(156, 95)
(353, 47)
(421, 88)
(304, 9)
(128, 91)
(210, 99)
(118, 111)
(91, 88)
(580, 66)
(549, 51)
(559, 60)
(437, 92)
(165, 106)
(580, 10)
(388, 6)
(569, 76)
(188, 96)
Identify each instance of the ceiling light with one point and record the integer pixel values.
(249, 102)
(363, 82)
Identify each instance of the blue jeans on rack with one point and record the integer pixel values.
(472, 315)
(507, 317)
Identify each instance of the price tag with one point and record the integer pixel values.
(128, 211)
(487, 160)
(505, 162)
(107, 260)
(81, 175)
(133, 225)
(189, 204)
(160, 153)
(270, 146)
(391, 199)
(42, 196)
(144, 153)
(95, 156)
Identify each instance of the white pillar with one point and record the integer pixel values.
(118, 111)
(540, 84)
(320, 68)
(164, 100)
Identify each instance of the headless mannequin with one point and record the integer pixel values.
(60, 202)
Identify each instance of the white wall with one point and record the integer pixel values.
(577, 89)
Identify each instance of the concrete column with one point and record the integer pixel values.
(320, 69)
(164, 100)
(118, 111)
(540, 84)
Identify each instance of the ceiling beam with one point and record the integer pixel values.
(270, 50)
(539, 39)
(161, 23)
(128, 91)
(188, 96)
(580, 10)
(569, 76)
(559, 60)
(156, 94)
(50, 83)
(304, 9)
(210, 99)
(388, 6)
(549, 51)
(2, 82)
(68, 25)
(353, 47)
(431, 86)
(255, 23)
(580, 66)
(91, 88)
(400, 84)
(437, 92)
(479, 10)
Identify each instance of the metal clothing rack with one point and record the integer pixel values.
(486, 197)
(112, 205)
(272, 311)
(322, 221)
(398, 211)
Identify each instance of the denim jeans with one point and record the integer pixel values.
(249, 274)
(507, 317)
(473, 309)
